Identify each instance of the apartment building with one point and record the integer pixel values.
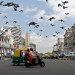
(13, 30)
(5, 46)
(13, 33)
(61, 48)
(27, 40)
(69, 40)
(61, 45)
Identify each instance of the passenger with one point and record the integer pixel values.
(28, 55)
(23, 53)
(31, 53)
(33, 56)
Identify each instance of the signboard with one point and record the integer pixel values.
(14, 45)
(1, 53)
(19, 43)
(7, 45)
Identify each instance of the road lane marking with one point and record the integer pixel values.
(26, 71)
(72, 64)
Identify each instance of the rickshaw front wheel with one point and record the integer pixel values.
(16, 63)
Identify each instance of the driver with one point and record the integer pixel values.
(28, 55)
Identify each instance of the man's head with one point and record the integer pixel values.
(31, 49)
(28, 50)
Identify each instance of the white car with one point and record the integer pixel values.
(71, 54)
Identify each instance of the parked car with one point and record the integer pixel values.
(62, 56)
(71, 54)
(55, 56)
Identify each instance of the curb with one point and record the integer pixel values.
(64, 59)
(7, 59)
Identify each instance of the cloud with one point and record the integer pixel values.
(46, 44)
(39, 14)
(3, 14)
(28, 10)
(6, 8)
(58, 11)
(41, 0)
(43, 44)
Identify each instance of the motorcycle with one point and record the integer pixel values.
(40, 63)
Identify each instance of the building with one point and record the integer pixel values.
(22, 44)
(28, 43)
(61, 46)
(68, 37)
(27, 40)
(5, 46)
(60, 40)
(13, 32)
(32, 45)
(69, 40)
(55, 47)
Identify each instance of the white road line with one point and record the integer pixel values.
(72, 64)
(26, 71)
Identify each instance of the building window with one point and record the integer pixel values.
(2, 39)
(8, 40)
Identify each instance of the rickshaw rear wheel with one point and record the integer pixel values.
(16, 63)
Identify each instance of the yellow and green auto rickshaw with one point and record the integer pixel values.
(18, 56)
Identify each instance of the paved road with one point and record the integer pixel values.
(53, 67)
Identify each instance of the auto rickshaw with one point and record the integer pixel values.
(18, 56)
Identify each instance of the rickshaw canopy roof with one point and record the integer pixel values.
(17, 51)
(20, 49)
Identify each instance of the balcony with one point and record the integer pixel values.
(65, 44)
(5, 45)
(73, 42)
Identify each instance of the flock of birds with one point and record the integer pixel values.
(36, 25)
(51, 18)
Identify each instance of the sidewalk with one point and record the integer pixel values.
(5, 59)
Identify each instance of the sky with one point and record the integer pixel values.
(32, 11)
